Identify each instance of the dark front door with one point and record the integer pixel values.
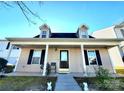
(64, 59)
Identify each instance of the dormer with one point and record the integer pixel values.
(45, 31)
(83, 31)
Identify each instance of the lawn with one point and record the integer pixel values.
(25, 83)
(92, 83)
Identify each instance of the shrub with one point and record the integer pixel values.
(48, 69)
(105, 81)
(102, 74)
(3, 63)
(9, 69)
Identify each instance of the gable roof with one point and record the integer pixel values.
(63, 35)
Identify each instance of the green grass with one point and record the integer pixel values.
(92, 80)
(21, 83)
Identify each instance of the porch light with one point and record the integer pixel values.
(56, 49)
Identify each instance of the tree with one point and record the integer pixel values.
(3, 64)
(26, 11)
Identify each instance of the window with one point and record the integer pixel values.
(64, 56)
(36, 57)
(83, 34)
(92, 57)
(44, 34)
(15, 47)
(122, 31)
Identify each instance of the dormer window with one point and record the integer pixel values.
(45, 31)
(82, 31)
(44, 34)
(83, 34)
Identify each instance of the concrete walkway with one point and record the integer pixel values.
(66, 82)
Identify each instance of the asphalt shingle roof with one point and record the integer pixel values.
(63, 35)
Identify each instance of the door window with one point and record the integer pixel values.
(64, 56)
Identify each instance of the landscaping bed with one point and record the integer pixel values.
(25, 83)
(92, 83)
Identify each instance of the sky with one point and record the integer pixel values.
(61, 16)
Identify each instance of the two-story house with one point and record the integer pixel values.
(71, 52)
(113, 32)
(12, 56)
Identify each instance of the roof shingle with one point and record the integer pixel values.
(63, 35)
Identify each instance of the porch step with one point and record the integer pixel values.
(63, 71)
(66, 82)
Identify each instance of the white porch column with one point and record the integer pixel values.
(17, 60)
(45, 60)
(9, 53)
(116, 58)
(83, 59)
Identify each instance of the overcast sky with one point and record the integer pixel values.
(61, 17)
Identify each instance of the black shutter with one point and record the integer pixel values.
(86, 57)
(42, 57)
(8, 45)
(98, 57)
(30, 56)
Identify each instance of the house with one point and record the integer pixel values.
(71, 52)
(115, 32)
(4, 52)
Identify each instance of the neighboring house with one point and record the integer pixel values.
(12, 56)
(115, 31)
(71, 52)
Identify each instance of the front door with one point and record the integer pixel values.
(64, 59)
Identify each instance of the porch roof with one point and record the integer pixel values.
(21, 42)
(64, 39)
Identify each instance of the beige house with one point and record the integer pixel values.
(113, 32)
(71, 52)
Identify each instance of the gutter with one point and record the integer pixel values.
(63, 39)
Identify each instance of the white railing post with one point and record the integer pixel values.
(9, 52)
(17, 60)
(45, 60)
(83, 59)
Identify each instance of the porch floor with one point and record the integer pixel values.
(74, 74)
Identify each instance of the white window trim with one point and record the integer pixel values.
(81, 34)
(40, 57)
(95, 55)
(122, 32)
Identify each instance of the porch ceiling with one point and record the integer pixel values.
(62, 46)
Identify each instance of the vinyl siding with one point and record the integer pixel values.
(75, 60)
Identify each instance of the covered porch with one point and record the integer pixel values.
(75, 59)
